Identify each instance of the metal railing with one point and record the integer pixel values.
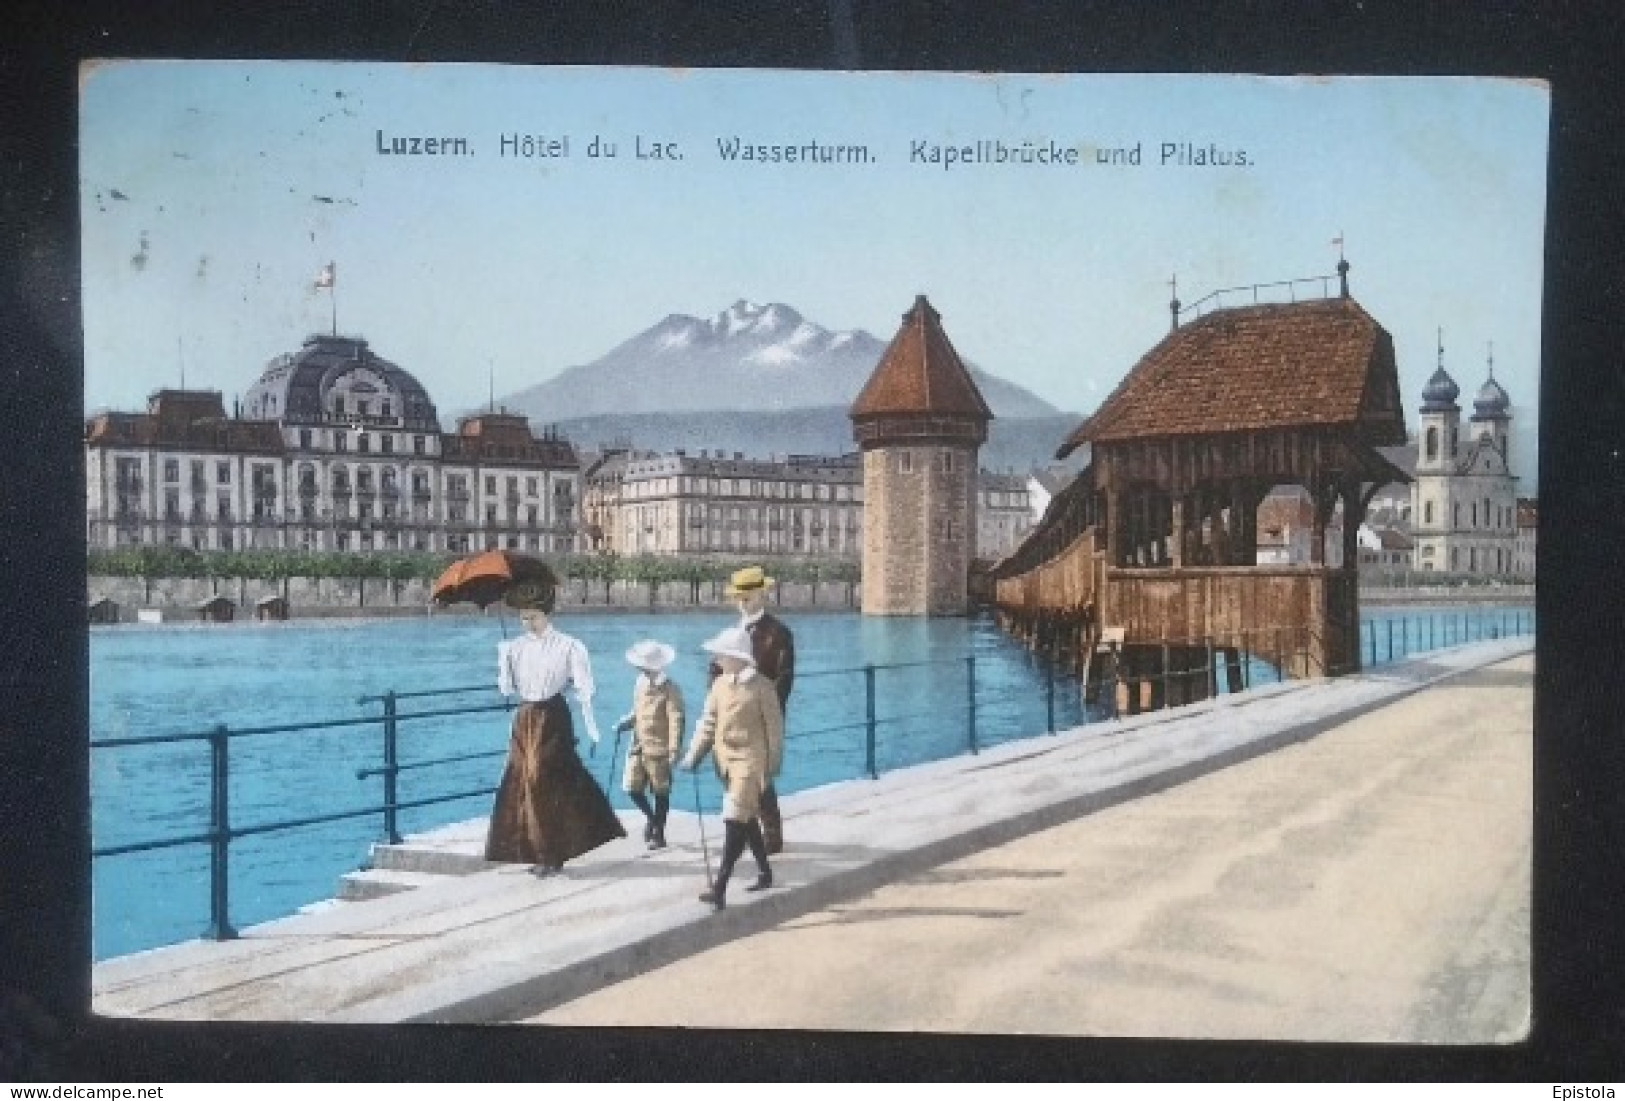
(1215, 300)
(982, 701)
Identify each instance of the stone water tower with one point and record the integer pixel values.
(919, 422)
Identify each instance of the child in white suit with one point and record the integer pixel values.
(656, 720)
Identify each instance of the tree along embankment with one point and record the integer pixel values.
(175, 584)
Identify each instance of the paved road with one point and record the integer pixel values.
(1371, 884)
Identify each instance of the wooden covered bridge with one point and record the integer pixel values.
(1154, 546)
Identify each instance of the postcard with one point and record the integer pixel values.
(863, 551)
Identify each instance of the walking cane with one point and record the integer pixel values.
(615, 755)
(705, 850)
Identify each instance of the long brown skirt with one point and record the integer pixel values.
(548, 808)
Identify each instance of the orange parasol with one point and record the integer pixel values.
(486, 577)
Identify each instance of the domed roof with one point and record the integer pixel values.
(1439, 395)
(333, 375)
(1492, 401)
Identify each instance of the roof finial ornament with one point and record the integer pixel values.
(1173, 304)
(1491, 356)
(1441, 347)
(1342, 265)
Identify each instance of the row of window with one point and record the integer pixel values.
(1503, 559)
(741, 487)
(1431, 442)
(363, 442)
(998, 498)
(263, 476)
(1500, 517)
(391, 540)
(778, 539)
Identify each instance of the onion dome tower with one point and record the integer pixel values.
(1492, 413)
(919, 421)
(1440, 420)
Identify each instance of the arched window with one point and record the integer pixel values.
(1433, 443)
(1475, 514)
(1455, 515)
(1427, 513)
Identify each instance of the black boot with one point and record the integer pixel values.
(733, 843)
(641, 801)
(657, 838)
(758, 849)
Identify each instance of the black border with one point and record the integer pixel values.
(45, 1033)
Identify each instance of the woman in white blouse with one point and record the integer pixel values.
(548, 807)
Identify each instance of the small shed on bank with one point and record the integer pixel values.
(270, 607)
(105, 610)
(217, 610)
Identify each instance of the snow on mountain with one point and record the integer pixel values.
(748, 357)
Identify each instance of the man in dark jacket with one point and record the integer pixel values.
(774, 648)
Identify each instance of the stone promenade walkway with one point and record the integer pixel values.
(496, 944)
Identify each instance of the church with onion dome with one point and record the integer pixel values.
(333, 448)
(1464, 501)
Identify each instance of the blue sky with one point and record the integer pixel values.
(1053, 277)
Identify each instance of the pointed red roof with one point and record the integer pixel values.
(921, 373)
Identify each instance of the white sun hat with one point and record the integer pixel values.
(733, 642)
(651, 655)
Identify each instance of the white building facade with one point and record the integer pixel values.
(714, 502)
(1004, 514)
(1464, 510)
(717, 503)
(335, 449)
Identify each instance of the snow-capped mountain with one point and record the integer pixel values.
(747, 357)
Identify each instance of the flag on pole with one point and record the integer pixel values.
(324, 278)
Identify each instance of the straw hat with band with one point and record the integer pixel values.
(749, 579)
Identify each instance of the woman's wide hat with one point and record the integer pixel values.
(651, 655)
(748, 580)
(732, 643)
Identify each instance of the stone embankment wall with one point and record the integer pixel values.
(1440, 594)
(179, 599)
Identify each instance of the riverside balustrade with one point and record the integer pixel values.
(986, 705)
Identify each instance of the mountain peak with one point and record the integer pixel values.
(755, 319)
(751, 356)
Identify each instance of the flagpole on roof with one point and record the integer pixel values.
(327, 279)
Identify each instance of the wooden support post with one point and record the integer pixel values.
(1114, 526)
(1176, 536)
(1320, 513)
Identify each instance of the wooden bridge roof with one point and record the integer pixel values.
(921, 374)
(1322, 363)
